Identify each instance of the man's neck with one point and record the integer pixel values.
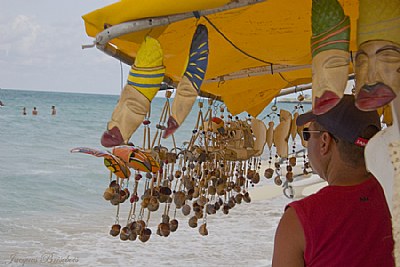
(347, 176)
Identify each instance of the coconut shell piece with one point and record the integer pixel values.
(163, 198)
(270, 135)
(178, 174)
(260, 133)
(145, 235)
(145, 201)
(132, 225)
(140, 226)
(225, 209)
(173, 225)
(246, 197)
(241, 181)
(289, 177)
(250, 174)
(197, 207)
(203, 229)
(115, 230)
(108, 193)
(231, 202)
(186, 209)
(212, 190)
(199, 214)
(300, 133)
(256, 178)
(116, 199)
(221, 189)
(238, 198)
(179, 199)
(165, 229)
(210, 209)
(202, 201)
(165, 190)
(123, 195)
(292, 161)
(132, 236)
(282, 132)
(268, 173)
(193, 222)
(196, 192)
(154, 204)
(114, 185)
(125, 232)
(237, 188)
(293, 127)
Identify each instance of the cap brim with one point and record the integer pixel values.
(304, 118)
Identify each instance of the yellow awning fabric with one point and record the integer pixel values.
(273, 36)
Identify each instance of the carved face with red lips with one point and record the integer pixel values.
(330, 74)
(377, 74)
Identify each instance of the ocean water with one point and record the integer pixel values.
(51, 201)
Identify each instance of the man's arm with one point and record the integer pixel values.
(289, 241)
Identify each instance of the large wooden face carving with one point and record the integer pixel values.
(329, 78)
(377, 74)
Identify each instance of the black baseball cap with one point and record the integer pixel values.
(344, 120)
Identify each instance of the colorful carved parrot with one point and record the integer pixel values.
(112, 162)
(122, 158)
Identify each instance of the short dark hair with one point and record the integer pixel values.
(351, 153)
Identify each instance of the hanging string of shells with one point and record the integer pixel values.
(211, 173)
(283, 163)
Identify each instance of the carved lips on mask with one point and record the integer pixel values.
(377, 74)
(370, 97)
(324, 103)
(330, 73)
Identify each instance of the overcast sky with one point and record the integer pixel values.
(40, 48)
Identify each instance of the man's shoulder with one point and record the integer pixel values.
(309, 202)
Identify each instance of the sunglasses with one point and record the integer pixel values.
(307, 133)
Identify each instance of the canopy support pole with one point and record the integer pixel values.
(303, 87)
(116, 31)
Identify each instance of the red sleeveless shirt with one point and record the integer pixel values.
(347, 226)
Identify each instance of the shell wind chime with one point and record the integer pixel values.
(211, 173)
(279, 140)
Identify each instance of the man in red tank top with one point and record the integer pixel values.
(347, 223)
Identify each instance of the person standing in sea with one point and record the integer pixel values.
(34, 111)
(53, 110)
(348, 222)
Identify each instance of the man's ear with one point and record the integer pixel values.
(325, 143)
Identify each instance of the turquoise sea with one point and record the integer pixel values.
(51, 201)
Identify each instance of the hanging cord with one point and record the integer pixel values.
(236, 47)
(283, 78)
(244, 52)
(122, 75)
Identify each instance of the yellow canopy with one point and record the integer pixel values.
(255, 51)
